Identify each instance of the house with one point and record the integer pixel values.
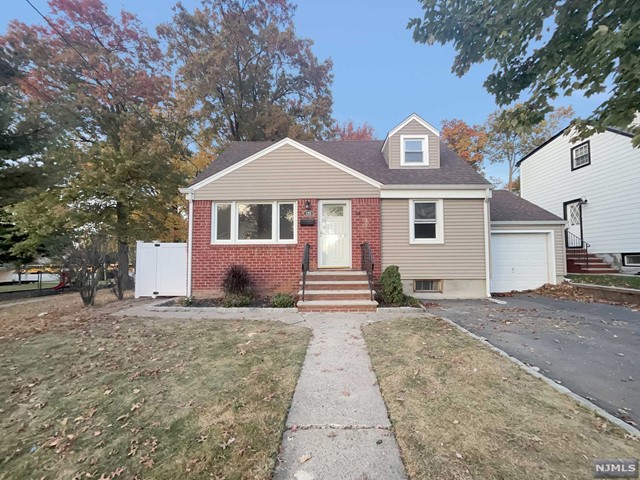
(593, 184)
(408, 201)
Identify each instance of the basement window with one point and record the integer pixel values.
(421, 286)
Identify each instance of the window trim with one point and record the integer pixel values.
(573, 158)
(624, 259)
(437, 290)
(425, 150)
(214, 223)
(275, 222)
(439, 223)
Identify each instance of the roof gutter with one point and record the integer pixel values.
(529, 222)
(423, 186)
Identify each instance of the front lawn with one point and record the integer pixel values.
(607, 280)
(146, 398)
(460, 411)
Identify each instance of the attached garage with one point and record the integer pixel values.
(521, 260)
(527, 245)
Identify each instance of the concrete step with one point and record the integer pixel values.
(591, 262)
(336, 284)
(336, 275)
(337, 306)
(336, 294)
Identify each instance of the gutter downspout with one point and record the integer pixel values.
(487, 242)
(189, 196)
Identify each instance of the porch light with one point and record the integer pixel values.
(307, 205)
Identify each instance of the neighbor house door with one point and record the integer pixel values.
(334, 242)
(573, 215)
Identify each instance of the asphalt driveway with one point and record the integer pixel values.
(593, 349)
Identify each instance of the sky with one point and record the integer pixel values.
(380, 75)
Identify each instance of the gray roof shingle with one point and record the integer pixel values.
(366, 158)
(508, 207)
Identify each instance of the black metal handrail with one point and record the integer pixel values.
(305, 266)
(368, 264)
(578, 245)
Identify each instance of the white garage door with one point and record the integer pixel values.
(519, 261)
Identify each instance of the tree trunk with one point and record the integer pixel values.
(122, 279)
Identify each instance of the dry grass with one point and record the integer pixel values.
(460, 411)
(25, 317)
(607, 280)
(92, 396)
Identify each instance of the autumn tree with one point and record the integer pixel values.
(508, 144)
(349, 131)
(24, 135)
(545, 49)
(245, 74)
(468, 141)
(101, 78)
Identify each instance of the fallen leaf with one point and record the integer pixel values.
(304, 458)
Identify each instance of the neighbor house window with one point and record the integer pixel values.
(426, 221)
(427, 286)
(254, 222)
(580, 156)
(414, 150)
(631, 259)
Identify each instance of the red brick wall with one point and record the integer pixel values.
(274, 268)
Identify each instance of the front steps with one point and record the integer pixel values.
(596, 266)
(336, 291)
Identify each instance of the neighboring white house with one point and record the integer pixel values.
(595, 186)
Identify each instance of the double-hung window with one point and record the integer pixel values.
(426, 221)
(414, 150)
(254, 222)
(580, 156)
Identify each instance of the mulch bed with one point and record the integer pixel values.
(259, 302)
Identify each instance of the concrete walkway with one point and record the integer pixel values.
(338, 427)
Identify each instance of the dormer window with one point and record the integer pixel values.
(414, 150)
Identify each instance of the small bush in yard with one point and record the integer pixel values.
(237, 280)
(236, 300)
(187, 301)
(391, 292)
(283, 300)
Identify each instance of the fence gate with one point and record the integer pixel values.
(161, 270)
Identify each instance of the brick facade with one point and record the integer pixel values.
(276, 267)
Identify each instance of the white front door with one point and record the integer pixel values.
(334, 233)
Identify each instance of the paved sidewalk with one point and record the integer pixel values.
(338, 427)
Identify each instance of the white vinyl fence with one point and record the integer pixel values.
(161, 270)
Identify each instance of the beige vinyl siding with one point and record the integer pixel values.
(385, 151)
(413, 128)
(558, 236)
(286, 173)
(460, 257)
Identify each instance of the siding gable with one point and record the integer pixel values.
(286, 173)
(413, 128)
